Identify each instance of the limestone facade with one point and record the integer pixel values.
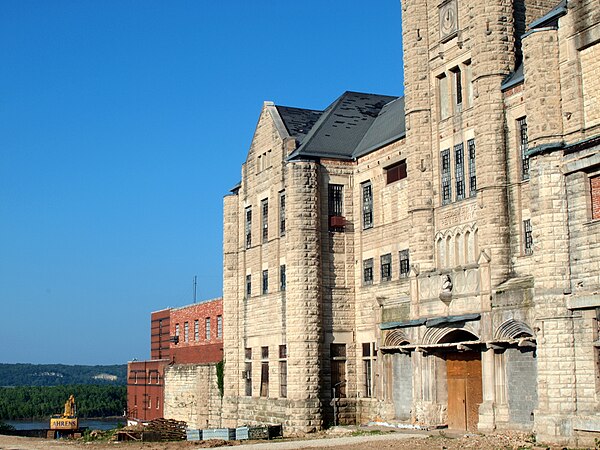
(432, 259)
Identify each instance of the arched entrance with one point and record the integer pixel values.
(463, 375)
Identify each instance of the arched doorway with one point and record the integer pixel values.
(463, 375)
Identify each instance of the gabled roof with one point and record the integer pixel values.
(342, 126)
(388, 127)
(297, 121)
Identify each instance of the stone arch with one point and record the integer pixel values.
(513, 329)
(395, 338)
(435, 335)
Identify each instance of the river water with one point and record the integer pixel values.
(92, 424)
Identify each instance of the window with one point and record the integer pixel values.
(459, 171)
(336, 211)
(404, 263)
(595, 196)
(458, 93)
(523, 145)
(282, 214)
(264, 372)
(207, 325)
(149, 402)
(527, 237)
(282, 281)
(472, 173)
(264, 206)
(177, 329)
(219, 327)
(157, 403)
(444, 97)
(283, 371)
(368, 271)
(395, 172)
(367, 206)
(196, 330)
(369, 355)
(248, 371)
(186, 332)
(445, 171)
(265, 282)
(386, 267)
(248, 286)
(248, 227)
(338, 369)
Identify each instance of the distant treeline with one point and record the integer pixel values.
(40, 402)
(60, 374)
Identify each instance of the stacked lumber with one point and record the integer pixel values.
(167, 429)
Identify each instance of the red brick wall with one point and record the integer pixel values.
(595, 191)
(200, 350)
(159, 334)
(145, 389)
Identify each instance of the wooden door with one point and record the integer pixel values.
(464, 390)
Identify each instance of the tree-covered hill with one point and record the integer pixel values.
(61, 374)
(40, 402)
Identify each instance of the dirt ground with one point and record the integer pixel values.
(335, 439)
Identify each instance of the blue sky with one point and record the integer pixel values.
(122, 126)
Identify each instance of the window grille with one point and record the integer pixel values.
(404, 263)
(338, 369)
(386, 267)
(472, 172)
(367, 194)
(282, 280)
(219, 327)
(282, 214)
(186, 332)
(368, 271)
(336, 210)
(283, 371)
(196, 330)
(265, 282)
(527, 237)
(264, 205)
(459, 172)
(248, 227)
(248, 286)
(445, 172)
(207, 324)
(523, 145)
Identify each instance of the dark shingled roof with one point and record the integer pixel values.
(342, 126)
(388, 127)
(297, 121)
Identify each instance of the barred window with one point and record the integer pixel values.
(248, 227)
(368, 271)
(282, 280)
(523, 145)
(219, 327)
(207, 325)
(404, 263)
(445, 171)
(367, 198)
(386, 267)
(458, 94)
(248, 371)
(186, 332)
(248, 286)
(338, 369)
(283, 371)
(459, 171)
(369, 355)
(282, 214)
(264, 372)
(527, 237)
(336, 199)
(472, 172)
(196, 330)
(265, 282)
(264, 206)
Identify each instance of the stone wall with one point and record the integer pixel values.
(192, 395)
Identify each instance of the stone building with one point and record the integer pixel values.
(432, 259)
(183, 340)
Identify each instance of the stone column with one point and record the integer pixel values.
(486, 409)
(303, 297)
(492, 60)
(417, 106)
(232, 295)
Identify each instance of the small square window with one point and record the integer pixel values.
(395, 172)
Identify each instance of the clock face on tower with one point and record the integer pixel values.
(448, 19)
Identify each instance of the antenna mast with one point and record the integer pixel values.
(195, 284)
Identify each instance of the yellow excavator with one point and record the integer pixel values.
(67, 423)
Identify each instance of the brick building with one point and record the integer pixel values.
(191, 334)
(432, 258)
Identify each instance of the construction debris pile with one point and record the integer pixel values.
(156, 430)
